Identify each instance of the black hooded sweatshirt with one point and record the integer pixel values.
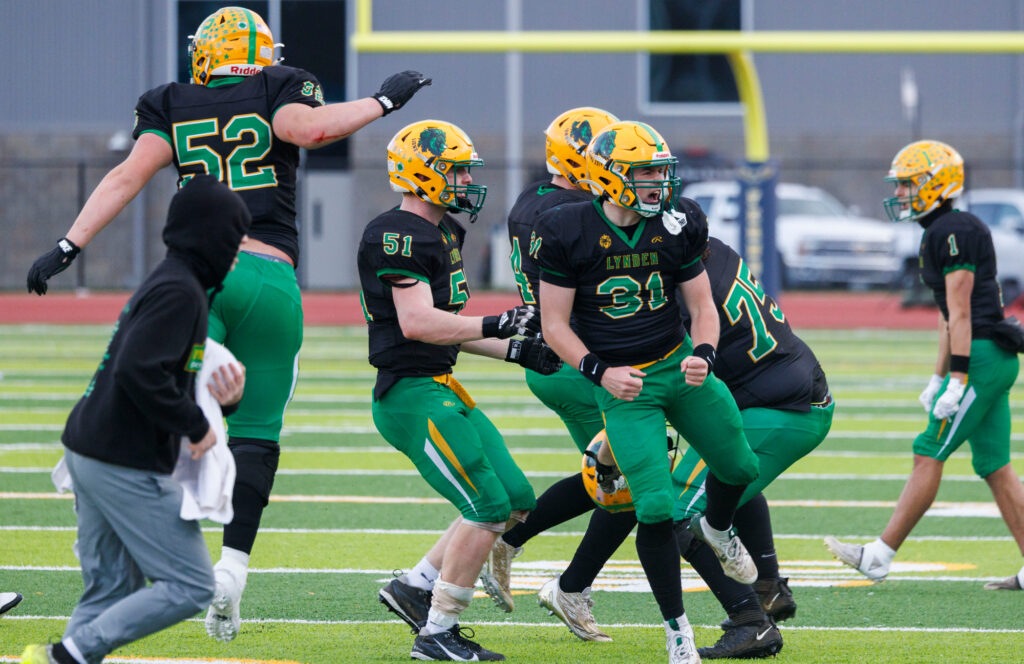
(140, 401)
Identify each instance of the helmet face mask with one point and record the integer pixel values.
(609, 492)
(427, 159)
(927, 173)
(566, 140)
(232, 41)
(616, 159)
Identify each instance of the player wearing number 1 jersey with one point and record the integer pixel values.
(614, 265)
(242, 119)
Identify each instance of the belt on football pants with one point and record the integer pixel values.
(455, 386)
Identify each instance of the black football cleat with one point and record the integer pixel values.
(749, 641)
(408, 602)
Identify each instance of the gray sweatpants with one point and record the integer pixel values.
(129, 531)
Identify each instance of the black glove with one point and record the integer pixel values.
(522, 320)
(533, 354)
(53, 262)
(399, 88)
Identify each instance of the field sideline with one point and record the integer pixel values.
(348, 510)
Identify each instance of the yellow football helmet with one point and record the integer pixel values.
(934, 174)
(613, 155)
(608, 489)
(567, 138)
(231, 41)
(422, 155)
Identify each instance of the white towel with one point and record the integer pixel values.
(209, 482)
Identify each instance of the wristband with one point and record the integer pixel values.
(959, 363)
(593, 368)
(706, 352)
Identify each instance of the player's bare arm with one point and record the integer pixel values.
(119, 187)
(313, 128)
(420, 321)
(959, 285)
(704, 329)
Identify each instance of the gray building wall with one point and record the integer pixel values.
(76, 67)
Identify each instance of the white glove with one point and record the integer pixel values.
(949, 402)
(927, 397)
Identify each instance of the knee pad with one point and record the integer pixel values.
(653, 506)
(255, 465)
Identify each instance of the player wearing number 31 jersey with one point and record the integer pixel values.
(242, 120)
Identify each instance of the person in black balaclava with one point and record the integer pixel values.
(122, 439)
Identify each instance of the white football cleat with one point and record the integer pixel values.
(223, 619)
(573, 609)
(680, 645)
(858, 557)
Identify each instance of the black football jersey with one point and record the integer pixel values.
(957, 240)
(225, 129)
(625, 278)
(760, 359)
(403, 243)
(538, 197)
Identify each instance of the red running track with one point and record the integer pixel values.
(823, 310)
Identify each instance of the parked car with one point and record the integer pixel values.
(820, 242)
(1002, 210)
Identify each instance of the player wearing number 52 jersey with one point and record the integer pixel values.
(242, 119)
(614, 265)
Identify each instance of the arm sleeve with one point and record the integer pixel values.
(553, 254)
(293, 86)
(695, 234)
(396, 251)
(151, 356)
(958, 249)
(150, 116)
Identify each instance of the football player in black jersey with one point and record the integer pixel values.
(413, 288)
(967, 398)
(787, 410)
(242, 119)
(567, 393)
(614, 265)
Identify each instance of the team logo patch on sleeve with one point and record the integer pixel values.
(195, 358)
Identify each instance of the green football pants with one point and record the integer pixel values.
(705, 415)
(258, 316)
(779, 438)
(455, 448)
(571, 396)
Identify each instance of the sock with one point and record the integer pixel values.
(62, 652)
(735, 597)
(753, 524)
(879, 550)
(678, 624)
(722, 501)
(605, 533)
(423, 575)
(564, 500)
(234, 564)
(714, 534)
(438, 622)
(659, 555)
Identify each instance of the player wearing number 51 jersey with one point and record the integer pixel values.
(242, 119)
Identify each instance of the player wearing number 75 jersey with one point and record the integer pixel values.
(241, 119)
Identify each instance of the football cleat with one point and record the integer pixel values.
(8, 601)
(680, 645)
(736, 562)
(495, 576)
(853, 555)
(452, 646)
(406, 601)
(223, 618)
(750, 641)
(776, 598)
(38, 654)
(573, 609)
(1012, 583)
